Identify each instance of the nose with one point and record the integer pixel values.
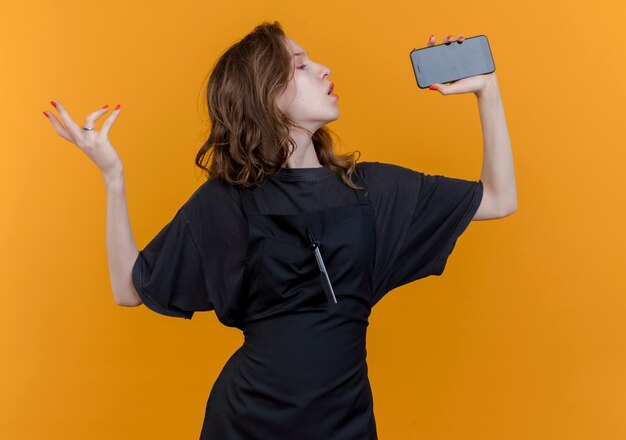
(326, 72)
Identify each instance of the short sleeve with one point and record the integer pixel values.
(197, 261)
(169, 275)
(419, 219)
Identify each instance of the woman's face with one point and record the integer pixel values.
(306, 99)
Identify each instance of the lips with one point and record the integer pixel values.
(331, 88)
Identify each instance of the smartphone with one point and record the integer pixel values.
(449, 62)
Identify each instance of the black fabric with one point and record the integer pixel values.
(171, 269)
(197, 261)
(301, 372)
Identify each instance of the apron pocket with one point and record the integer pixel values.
(290, 277)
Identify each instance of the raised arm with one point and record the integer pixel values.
(497, 174)
(121, 248)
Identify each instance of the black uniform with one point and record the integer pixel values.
(250, 255)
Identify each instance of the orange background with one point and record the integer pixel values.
(522, 337)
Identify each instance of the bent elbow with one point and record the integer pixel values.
(129, 300)
(129, 304)
(510, 210)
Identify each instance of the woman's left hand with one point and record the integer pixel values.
(473, 84)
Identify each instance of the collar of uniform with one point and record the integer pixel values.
(302, 173)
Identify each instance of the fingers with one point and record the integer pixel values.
(450, 38)
(58, 127)
(90, 120)
(108, 122)
(447, 40)
(451, 88)
(70, 126)
(75, 134)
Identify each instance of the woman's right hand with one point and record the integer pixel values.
(94, 144)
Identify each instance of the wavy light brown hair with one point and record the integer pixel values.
(249, 137)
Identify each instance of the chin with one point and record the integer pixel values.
(334, 118)
(325, 121)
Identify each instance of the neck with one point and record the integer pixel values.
(304, 155)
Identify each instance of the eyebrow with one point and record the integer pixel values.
(300, 53)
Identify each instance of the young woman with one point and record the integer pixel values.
(289, 241)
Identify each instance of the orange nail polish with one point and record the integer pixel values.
(117, 107)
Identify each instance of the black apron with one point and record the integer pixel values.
(301, 372)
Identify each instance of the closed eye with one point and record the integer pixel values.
(302, 66)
